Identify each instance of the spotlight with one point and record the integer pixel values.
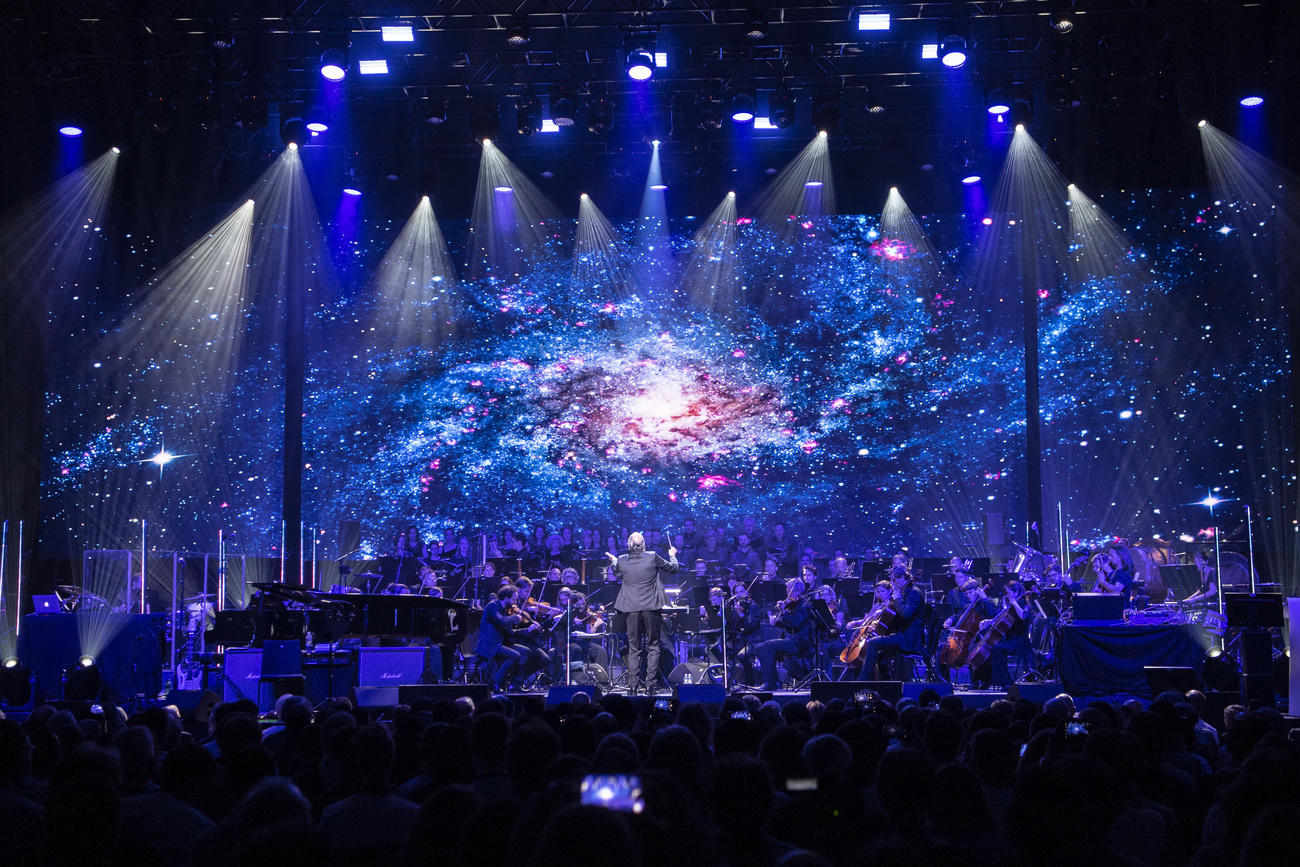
(517, 32)
(998, 103)
(655, 143)
(1252, 101)
(334, 64)
(86, 661)
(372, 67)
(600, 116)
(351, 191)
(528, 115)
(83, 682)
(503, 190)
(756, 25)
(563, 110)
(812, 184)
(731, 195)
(1200, 124)
(293, 131)
(1220, 671)
(318, 126)
(1020, 127)
(640, 64)
(710, 112)
(742, 107)
(971, 179)
(70, 131)
(658, 188)
(822, 133)
(115, 149)
(436, 112)
(483, 119)
(11, 662)
(1061, 22)
(582, 196)
(952, 52)
(223, 37)
(781, 109)
(875, 108)
(826, 113)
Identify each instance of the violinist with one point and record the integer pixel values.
(907, 628)
(585, 622)
(794, 616)
(529, 643)
(839, 609)
(501, 626)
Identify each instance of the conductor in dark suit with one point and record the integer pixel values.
(641, 598)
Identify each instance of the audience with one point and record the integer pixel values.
(1017, 783)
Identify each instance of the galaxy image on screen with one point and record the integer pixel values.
(859, 377)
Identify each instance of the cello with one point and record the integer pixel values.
(962, 634)
(871, 627)
(997, 631)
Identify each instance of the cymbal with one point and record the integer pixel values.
(369, 575)
(201, 596)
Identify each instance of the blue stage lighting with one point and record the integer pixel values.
(351, 191)
(70, 131)
(640, 64)
(1252, 101)
(971, 179)
(334, 64)
(397, 33)
(952, 53)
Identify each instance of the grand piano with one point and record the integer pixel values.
(361, 615)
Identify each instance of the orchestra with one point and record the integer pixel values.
(583, 619)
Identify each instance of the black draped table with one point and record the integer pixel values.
(1098, 660)
(130, 659)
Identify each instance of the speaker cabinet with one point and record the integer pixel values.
(392, 666)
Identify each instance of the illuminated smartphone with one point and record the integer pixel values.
(801, 784)
(614, 791)
(661, 704)
(740, 714)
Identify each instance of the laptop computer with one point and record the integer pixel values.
(47, 604)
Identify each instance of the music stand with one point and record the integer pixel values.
(824, 624)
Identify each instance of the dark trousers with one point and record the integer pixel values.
(647, 624)
(786, 648)
(891, 643)
(508, 658)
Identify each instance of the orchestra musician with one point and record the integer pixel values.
(745, 560)
(1114, 568)
(839, 609)
(501, 625)
(742, 622)
(1209, 589)
(1014, 645)
(641, 599)
(529, 643)
(907, 629)
(794, 616)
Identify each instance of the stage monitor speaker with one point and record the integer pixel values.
(698, 671)
(391, 666)
(1035, 692)
(349, 538)
(436, 692)
(913, 690)
(195, 705)
(326, 680)
(560, 694)
(1166, 678)
(703, 693)
(848, 690)
(376, 696)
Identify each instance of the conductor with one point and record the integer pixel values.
(641, 598)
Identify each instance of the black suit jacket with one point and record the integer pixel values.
(642, 590)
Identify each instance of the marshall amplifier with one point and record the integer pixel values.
(243, 669)
(392, 666)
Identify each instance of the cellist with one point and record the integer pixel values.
(907, 629)
(978, 608)
(1015, 643)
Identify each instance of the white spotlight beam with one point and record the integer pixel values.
(804, 187)
(713, 273)
(416, 294)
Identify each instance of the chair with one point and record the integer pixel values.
(281, 672)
